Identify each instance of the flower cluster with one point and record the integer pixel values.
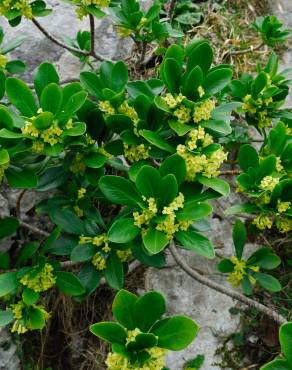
(116, 361)
(40, 281)
(135, 153)
(81, 10)
(100, 257)
(22, 6)
(268, 183)
(259, 109)
(51, 135)
(22, 322)
(240, 270)
(201, 112)
(3, 61)
(197, 162)
(168, 224)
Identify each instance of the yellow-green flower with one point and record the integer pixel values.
(268, 183)
(135, 153)
(284, 224)
(263, 222)
(41, 281)
(3, 61)
(203, 110)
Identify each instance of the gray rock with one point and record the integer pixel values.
(8, 355)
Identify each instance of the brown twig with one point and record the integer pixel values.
(222, 289)
(33, 228)
(230, 173)
(244, 51)
(63, 45)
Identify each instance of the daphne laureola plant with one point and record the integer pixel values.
(131, 168)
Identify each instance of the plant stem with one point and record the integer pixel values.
(33, 228)
(63, 45)
(92, 34)
(222, 289)
(245, 51)
(171, 8)
(230, 173)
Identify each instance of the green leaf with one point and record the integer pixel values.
(26, 252)
(196, 242)
(67, 221)
(179, 128)
(175, 165)
(217, 79)
(46, 74)
(285, 336)
(7, 134)
(92, 84)
(114, 272)
(221, 186)
(225, 266)
(154, 139)
(192, 82)
(83, 253)
(193, 210)
(175, 333)
(248, 157)
(51, 98)
(15, 67)
(147, 181)
(36, 318)
(119, 76)
(29, 296)
(74, 103)
(21, 96)
(21, 179)
(119, 190)
(265, 259)
(123, 308)
(241, 208)
(123, 230)
(89, 277)
(142, 341)
(43, 120)
(202, 56)
(221, 128)
(168, 189)
(109, 331)
(155, 241)
(268, 282)
(95, 160)
(171, 75)
(78, 129)
(267, 166)
(8, 283)
(148, 309)
(239, 237)
(69, 284)
(277, 365)
(8, 226)
(6, 317)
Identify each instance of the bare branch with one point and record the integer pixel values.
(63, 45)
(33, 228)
(244, 51)
(222, 289)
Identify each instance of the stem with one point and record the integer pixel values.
(245, 51)
(230, 173)
(33, 228)
(171, 8)
(63, 45)
(92, 34)
(143, 52)
(222, 289)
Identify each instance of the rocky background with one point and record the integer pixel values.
(184, 295)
